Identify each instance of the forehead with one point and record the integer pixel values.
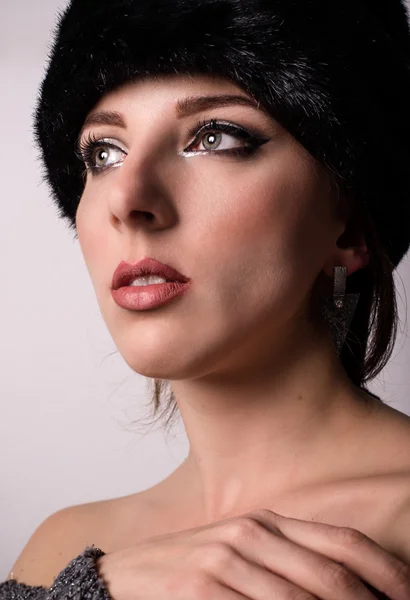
(169, 89)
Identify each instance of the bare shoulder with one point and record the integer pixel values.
(398, 536)
(391, 449)
(390, 439)
(371, 492)
(400, 525)
(58, 539)
(112, 525)
(50, 548)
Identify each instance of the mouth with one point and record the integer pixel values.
(126, 272)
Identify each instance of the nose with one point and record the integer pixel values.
(139, 193)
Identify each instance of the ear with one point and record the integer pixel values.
(350, 251)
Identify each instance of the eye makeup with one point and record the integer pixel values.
(252, 141)
(87, 150)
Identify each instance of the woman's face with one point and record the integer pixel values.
(252, 231)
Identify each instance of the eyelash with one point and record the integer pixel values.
(252, 140)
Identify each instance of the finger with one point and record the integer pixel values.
(307, 569)
(349, 547)
(250, 579)
(220, 592)
(378, 595)
(210, 589)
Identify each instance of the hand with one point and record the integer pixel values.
(257, 556)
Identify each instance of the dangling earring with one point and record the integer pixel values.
(340, 308)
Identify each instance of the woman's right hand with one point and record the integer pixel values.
(249, 558)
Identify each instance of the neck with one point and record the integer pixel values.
(270, 429)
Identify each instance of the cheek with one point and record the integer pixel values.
(267, 232)
(94, 241)
(276, 214)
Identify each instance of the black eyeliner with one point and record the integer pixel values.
(86, 147)
(253, 138)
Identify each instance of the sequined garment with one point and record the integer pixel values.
(78, 581)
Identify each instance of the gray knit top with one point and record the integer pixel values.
(80, 581)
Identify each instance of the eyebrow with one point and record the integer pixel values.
(184, 108)
(193, 104)
(102, 117)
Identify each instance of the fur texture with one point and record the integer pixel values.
(335, 74)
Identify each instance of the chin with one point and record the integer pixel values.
(172, 364)
(156, 366)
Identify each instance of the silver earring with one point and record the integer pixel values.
(340, 308)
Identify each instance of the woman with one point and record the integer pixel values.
(255, 156)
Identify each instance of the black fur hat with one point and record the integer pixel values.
(334, 73)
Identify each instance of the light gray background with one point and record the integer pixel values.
(67, 396)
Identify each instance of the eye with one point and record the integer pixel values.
(99, 154)
(212, 141)
(211, 134)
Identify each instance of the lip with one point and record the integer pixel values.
(127, 272)
(149, 296)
